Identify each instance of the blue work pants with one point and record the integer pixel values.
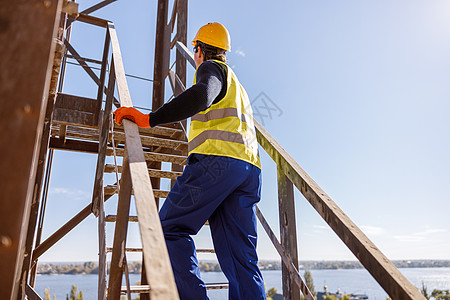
(224, 191)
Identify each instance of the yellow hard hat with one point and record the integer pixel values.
(214, 34)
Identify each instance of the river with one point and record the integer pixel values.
(348, 281)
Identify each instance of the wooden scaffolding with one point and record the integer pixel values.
(40, 118)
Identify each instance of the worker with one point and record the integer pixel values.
(222, 181)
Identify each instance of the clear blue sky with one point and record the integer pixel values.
(363, 94)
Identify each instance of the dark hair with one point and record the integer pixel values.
(212, 52)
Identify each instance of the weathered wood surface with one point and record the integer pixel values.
(294, 274)
(24, 91)
(158, 267)
(35, 203)
(85, 18)
(381, 268)
(31, 293)
(162, 54)
(152, 156)
(153, 173)
(103, 139)
(112, 189)
(97, 6)
(288, 233)
(112, 218)
(185, 52)
(120, 233)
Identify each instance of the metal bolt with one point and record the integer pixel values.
(5, 241)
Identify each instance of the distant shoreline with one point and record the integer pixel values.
(74, 268)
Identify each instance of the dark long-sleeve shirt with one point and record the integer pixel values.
(210, 88)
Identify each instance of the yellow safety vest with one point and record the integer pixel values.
(226, 128)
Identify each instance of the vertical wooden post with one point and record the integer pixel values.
(98, 196)
(162, 54)
(104, 124)
(288, 232)
(120, 233)
(25, 71)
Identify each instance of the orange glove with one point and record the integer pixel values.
(132, 114)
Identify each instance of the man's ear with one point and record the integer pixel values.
(200, 54)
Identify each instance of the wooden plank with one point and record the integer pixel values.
(284, 256)
(36, 195)
(152, 156)
(97, 6)
(186, 53)
(105, 124)
(85, 18)
(112, 218)
(146, 288)
(31, 293)
(72, 102)
(154, 141)
(74, 116)
(112, 189)
(136, 289)
(387, 275)
(73, 145)
(25, 74)
(162, 54)
(288, 233)
(158, 267)
(153, 173)
(120, 233)
(101, 85)
(98, 193)
(61, 232)
(102, 264)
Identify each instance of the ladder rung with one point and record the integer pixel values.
(153, 173)
(154, 141)
(153, 156)
(141, 289)
(158, 130)
(109, 249)
(112, 218)
(112, 189)
(140, 250)
(206, 251)
(216, 286)
(146, 288)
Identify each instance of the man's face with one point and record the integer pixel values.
(198, 56)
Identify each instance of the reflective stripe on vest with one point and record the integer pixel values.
(219, 114)
(226, 128)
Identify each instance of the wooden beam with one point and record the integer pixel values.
(75, 109)
(91, 20)
(288, 233)
(31, 293)
(293, 271)
(36, 194)
(101, 86)
(158, 267)
(186, 53)
(162, 54)
(381, 268)
(73, 145)
(97, 6)
(103, 140)
(26, 59)
(120, 233)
